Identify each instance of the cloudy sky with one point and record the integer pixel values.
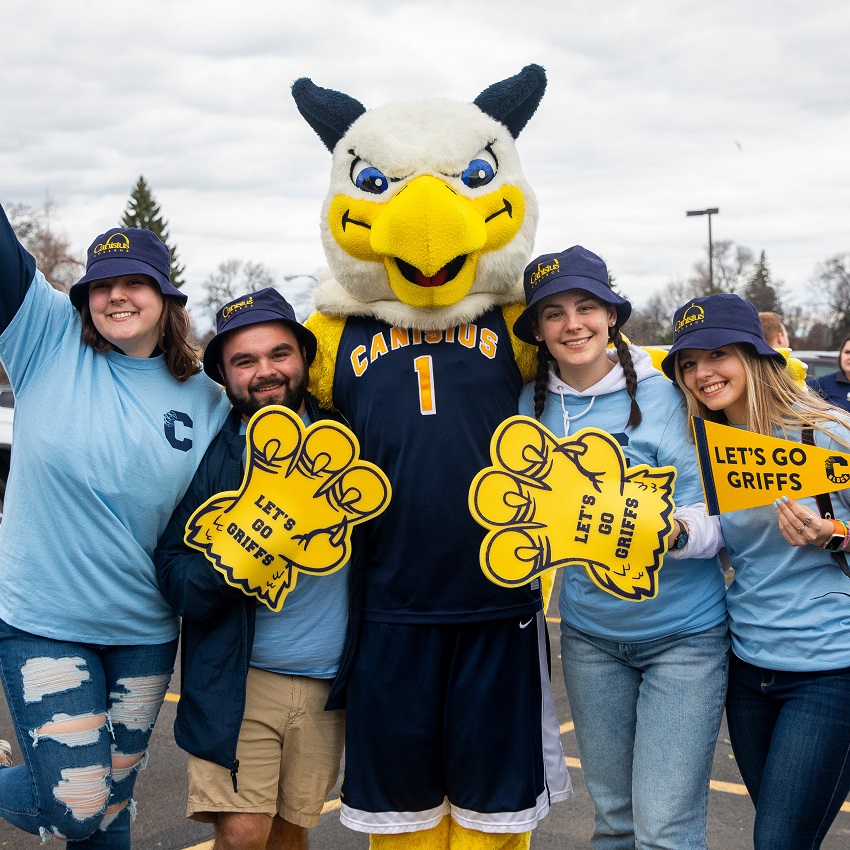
(652, 108)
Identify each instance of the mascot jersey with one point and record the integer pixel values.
(423, 550)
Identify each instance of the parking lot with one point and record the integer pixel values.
(161, 796)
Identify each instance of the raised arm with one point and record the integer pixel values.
(17, 268)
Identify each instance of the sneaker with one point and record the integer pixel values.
(5, 754)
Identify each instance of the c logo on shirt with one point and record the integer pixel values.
(171, 432)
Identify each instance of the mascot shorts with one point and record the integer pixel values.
(451, 719)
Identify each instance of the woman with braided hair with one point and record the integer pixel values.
(646, 679)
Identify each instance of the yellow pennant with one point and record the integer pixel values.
(741, 469)
(550, 502)
(303, 491)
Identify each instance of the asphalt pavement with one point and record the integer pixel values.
(161, 797)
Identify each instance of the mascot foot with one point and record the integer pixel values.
(461, 838)
(426, 839)
(448, 835)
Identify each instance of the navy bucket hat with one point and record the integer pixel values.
(122, 251)
(575, 268)
(266, 305)
(714, 321)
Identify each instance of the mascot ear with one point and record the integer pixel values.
(513, 101)
(330, 113)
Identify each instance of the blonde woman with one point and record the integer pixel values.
(788, 704)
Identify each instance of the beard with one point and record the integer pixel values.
(289, 394)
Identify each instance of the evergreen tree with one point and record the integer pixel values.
(760, 290)
(143, 211)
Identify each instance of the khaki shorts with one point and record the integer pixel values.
(289, 753)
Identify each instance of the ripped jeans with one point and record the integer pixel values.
(83, 714)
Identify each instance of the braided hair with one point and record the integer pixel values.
(625, 358)
(541, 377)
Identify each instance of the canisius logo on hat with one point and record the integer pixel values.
(542, 270)
(229, 309)
(116, 242)
(692, 315)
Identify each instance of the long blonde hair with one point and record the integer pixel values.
(774, 401)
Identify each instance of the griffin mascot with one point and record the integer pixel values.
(451, 736)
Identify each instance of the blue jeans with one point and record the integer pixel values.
(646, 719)
(790, 733)
(83, 715)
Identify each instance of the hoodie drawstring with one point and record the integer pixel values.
(567, 418)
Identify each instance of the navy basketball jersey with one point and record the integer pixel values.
(424, 405)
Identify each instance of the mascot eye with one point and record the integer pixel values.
(480, 171)
(369, 179)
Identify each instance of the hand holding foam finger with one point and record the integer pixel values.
(303, 491)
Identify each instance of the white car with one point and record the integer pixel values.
(7, 414)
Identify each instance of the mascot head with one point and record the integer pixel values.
(429, 220)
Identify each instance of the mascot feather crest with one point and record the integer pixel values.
(427, 226)
(429, 220)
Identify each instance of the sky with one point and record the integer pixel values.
(652, 108)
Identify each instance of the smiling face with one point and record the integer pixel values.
(717, 379)
(575, 325)
(126, 311)
(263, 364)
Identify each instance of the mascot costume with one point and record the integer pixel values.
(451, 739)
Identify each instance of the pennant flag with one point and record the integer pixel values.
(741, 469)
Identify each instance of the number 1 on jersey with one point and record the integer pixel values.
(425, 372)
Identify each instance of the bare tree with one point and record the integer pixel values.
(232, 278)
(653, 324)
(50, 248)
(732, 269)
(832, 277)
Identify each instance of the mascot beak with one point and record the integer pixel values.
(428, 236)
(426, 226)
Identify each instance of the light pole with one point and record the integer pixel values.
(709, 212)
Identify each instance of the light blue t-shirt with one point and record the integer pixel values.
(789, 606)
(104, 447)
(691, 591)
(306, 637)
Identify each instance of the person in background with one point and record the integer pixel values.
(646, 679)
(788, 707)
(774, 331)
(111, 420)
(835, 387)
(263, 752)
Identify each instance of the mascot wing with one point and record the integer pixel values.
(429, 220)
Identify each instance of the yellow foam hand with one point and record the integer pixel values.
(550, 502)
(303, 491)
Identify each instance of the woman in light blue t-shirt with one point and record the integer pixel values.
(111, 419)
(788, 706)
(645, 674)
